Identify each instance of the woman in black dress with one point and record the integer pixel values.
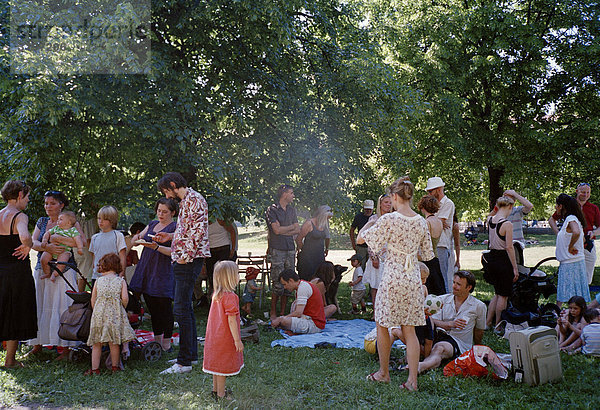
(18, 318)
(313, 242)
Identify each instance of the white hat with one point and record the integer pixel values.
(368, 204)
(433, 183)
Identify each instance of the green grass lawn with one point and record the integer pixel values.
(291, 378)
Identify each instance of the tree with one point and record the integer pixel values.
(499, 112)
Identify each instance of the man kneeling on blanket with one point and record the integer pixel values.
(307, 314)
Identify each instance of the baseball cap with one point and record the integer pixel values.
(356, 257)
(368, 204)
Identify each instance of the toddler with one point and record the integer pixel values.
(590, 336)
(250, 289)
(109, 322)
(358, 286)
(223, 345)
(66, 228)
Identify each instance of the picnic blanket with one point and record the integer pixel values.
(345, 334)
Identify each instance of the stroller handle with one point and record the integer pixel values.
(537, 265)
(53, 266)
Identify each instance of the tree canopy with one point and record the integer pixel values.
(336, 98)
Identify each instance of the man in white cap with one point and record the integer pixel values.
(360, 219)
(435, 187)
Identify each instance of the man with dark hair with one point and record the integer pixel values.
(308, 314)
(360, 220)
(460, 323)
(282, 222)
(189, 248)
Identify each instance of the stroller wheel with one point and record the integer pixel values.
(152, 351)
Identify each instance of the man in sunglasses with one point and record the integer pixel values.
(591, 229)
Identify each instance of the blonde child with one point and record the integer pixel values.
(66, 228)
(108, 240)
(358, 286)
(109, 322)
(223, 345)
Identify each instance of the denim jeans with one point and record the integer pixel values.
(183, 310)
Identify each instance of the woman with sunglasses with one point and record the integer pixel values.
(51, 298)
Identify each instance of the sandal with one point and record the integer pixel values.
(407, 387)
(371, 378)
(90, 372)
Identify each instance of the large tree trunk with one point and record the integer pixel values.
(496, 190)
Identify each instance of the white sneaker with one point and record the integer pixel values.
(177, 368)
(194, 362)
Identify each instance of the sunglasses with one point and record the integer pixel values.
(583, 184)
(52, 193)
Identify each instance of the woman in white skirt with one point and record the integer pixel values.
(50, 296)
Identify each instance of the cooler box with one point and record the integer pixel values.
(535, 355)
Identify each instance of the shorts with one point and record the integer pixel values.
(304, 325)
(425, 332)
(357, 296)
(280, 260)
(500, 271)
(445, 337)
(248, 297)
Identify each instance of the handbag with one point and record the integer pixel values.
(75, 322)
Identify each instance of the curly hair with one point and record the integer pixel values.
(109, 263)
(429, 203)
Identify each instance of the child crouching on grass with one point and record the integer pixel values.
(109, 322)
(223, 345)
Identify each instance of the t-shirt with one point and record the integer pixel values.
(358, 272)
(313, 302)
(472, 310)
(446, 212)
(590, 336)
(562, 243)
(104, 243)
(285, 217)
(516, 218)
(360, 220)
(72, 232)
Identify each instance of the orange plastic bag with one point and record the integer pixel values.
(478, 361)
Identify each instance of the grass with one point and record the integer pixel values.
(291, 378)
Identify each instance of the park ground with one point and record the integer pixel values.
(301, 378)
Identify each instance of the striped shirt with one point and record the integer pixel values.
(591, 339)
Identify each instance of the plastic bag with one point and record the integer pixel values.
(479, 362)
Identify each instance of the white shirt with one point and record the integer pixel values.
(218, 235)
(446, 212)
(303, 293)
(358, 272)
(472, 310)
(564, 238)
(104, 243)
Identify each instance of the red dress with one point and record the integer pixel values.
(220, 357)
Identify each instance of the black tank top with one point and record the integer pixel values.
(8, 244)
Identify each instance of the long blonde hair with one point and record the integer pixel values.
(225, 278)
(322, 217)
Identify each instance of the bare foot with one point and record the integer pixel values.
(36, 349)
(13, 365)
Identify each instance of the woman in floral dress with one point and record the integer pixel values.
(399, 300)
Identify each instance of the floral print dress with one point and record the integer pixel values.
(400, 296)
(109, 320)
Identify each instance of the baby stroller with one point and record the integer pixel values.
(526, 291)
(470, 236)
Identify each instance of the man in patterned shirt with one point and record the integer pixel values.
(189, 248)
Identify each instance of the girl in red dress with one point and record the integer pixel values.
(223, 345)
